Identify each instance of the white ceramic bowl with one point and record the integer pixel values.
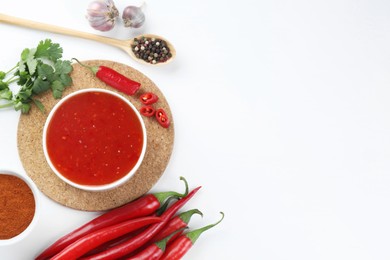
(100, 187)
(35, 192)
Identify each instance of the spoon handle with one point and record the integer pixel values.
(59, 30)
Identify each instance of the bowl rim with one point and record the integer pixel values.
(107, 186)
(35, 192)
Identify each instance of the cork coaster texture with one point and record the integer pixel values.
(158, 149)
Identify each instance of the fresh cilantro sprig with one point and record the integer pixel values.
(40, 69)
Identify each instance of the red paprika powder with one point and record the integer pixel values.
(17, 206)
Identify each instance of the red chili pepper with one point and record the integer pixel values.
(141, 239)
(147, 111)
(162, 118)
(131, 235)
(148, 98)
(114, 79)
(98, 237)
(141, 207)
(178, 222)
(173, 229)
(114, 242)
(179, 247)
(155, 250)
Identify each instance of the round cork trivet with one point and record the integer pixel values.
(158, 150)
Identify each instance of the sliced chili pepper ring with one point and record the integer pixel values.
(147, 111)
(162, 118)
(148, 98)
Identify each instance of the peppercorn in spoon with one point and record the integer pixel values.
(146, 48)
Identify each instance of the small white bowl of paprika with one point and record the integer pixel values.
(94, 139)
(19, 206)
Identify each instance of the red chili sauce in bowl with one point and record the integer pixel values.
(94, 137)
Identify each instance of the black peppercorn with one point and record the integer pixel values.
(151, 50)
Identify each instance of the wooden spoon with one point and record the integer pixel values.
(122, 44)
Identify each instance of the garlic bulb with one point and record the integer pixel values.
(133, 16)
(102, 14)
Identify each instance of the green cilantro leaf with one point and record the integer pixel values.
(45, 71)
(21, 67)
(38, 70)
(24, 54)
(2, 75)
(24, 94)
(57, 88)
(24, 107)
(40, 86)
(4, 85)
(47, 49)
(66, 79)
(24, 77)
(63, 67)
(6, 94)
(28, 58)
(32, 66)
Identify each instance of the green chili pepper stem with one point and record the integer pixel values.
(162, 196)
(186, 216)
(186, 184)
(194, 234)
(94, 69)
(166, 204)
(162, 244)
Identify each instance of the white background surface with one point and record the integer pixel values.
(281, 113)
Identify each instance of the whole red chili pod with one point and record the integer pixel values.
(180, 246)
(148, 98)
(131, 235)
(114, 79)
(162, 118)
(144, 206)
(147, 111)
(136, 242)
(98, 237)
